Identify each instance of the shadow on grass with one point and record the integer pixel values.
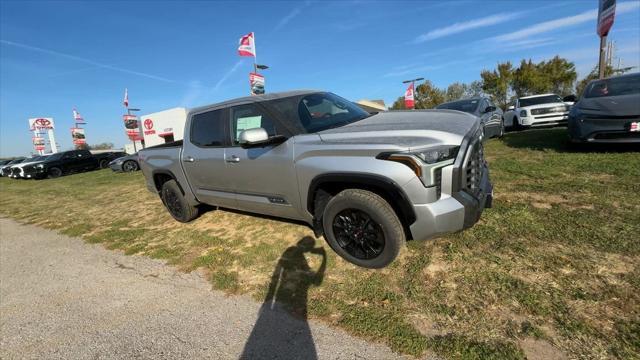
(276, 335)
(557, 139)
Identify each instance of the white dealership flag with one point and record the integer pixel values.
(77, 117)
(126, 98)
(247, 45)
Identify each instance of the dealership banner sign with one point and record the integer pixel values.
(257, 83)
(606, 15)
(78, 136)
(408, 97)
(132, 127)
(40, 124)
(38, 143)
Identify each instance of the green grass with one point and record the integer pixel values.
(556, 260)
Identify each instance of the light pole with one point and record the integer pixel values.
(129, 110)
(412, 80)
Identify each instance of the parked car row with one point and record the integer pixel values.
(607, 112)
(58, 164)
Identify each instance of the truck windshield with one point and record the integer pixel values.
(539, 100)
(468, 106)
(324, 111)
(625, 85)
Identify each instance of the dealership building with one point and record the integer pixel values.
(163, 126)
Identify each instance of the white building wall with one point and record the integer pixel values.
(154, 125)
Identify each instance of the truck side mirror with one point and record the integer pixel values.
(254, 136)
(570, 98)
(489, 109)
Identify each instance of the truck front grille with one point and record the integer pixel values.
(473, 169)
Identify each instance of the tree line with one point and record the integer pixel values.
(506, 82)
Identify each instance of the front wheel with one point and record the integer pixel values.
(130, 166)
(54, 172)
(175, 202)
(501, 133)
(363, 228)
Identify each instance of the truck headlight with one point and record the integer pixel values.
(425, 162)
(523, 113)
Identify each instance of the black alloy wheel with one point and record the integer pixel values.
(358, 234)
(172, 202)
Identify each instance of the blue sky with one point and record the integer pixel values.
(55, 56)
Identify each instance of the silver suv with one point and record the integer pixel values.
(367, 182)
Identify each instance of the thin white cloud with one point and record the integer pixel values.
(291, 15)
(227, 75)
(84, 60)
(551, 25)
(467, 25)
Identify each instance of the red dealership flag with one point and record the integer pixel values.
(126, 98)
(77, 117)
(408, 97)
(247, 45)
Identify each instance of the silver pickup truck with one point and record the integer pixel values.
(367, 182)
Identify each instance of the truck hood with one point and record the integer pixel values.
(623, 105)
(410, 129)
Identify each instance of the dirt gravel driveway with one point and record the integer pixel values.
(63, 298)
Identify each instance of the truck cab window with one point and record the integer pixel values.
(245, 117)
(207, 129)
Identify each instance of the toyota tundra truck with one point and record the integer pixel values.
(367, 182)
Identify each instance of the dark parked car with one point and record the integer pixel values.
(67, 162)
(490, 115)
(4, 169)
(127, 163)
(608, 111)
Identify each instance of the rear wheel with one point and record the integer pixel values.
(130, 166)
(54, 172)
(363, 228)
(175, 202)
(103, 164)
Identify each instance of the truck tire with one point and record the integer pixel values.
(54, 172)
(175, 202)
(103, 164)
(363, 228)
(130, 166)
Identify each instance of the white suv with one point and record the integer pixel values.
(537, 110)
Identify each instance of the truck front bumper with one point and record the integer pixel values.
(451, 213)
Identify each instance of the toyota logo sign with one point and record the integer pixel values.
(148, 125)
(40, 124)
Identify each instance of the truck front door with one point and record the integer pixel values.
(203, 158)
(264, 178)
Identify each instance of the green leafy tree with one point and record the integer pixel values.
(528, 79)
(398, 104)
(474, 89)
(497, 83)
(456, 91)
(428, 96)
(560, 75)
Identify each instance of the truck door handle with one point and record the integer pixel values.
(189, 159)
(233, 159)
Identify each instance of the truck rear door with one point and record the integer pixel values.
(203, 158)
